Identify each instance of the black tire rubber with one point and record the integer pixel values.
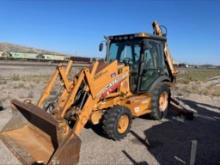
(110, 122)
(155, 112)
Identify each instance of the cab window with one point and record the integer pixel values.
(127, 51)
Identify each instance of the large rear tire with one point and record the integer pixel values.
(117, 122)
(160, 101)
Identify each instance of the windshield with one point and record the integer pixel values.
(124, 51)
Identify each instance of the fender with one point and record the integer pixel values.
(159, 80)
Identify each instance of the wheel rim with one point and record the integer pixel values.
(163, 101)
(123, 123)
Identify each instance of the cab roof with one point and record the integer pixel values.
(142, 35)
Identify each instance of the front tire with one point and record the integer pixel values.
(117, 122)
(160, 101)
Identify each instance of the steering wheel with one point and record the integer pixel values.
(127, 61)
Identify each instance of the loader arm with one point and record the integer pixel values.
(92, 84)
(98, 83)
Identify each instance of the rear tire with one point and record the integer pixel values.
(160, 101)
(117, 122)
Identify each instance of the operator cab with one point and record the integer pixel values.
(143, 53)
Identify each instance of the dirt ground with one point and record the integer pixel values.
(149, 142)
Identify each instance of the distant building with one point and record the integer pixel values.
(54, 57)
(20, 55)
(23, 55)
(183, 65)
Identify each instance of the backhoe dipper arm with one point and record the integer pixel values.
(168, 56)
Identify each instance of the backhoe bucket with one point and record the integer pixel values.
(32, 136)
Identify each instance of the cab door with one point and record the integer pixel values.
(127, 52)
(151, 64)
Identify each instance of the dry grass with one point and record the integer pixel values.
(2, 82)
(214, 91)
(30, 78)
(194, 80)
(187, 75)
(15, 77)
(184, 89)
(19, 85)
(36, 78)
(30, 94)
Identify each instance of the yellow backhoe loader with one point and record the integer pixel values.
(132, 81)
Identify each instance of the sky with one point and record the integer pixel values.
(78, 26)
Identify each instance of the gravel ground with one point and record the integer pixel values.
(149, 142)
(6, 156)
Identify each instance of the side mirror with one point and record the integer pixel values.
(101, 45)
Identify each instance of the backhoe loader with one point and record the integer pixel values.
(133, 80)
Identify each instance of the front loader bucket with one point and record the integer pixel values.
(31, 135)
